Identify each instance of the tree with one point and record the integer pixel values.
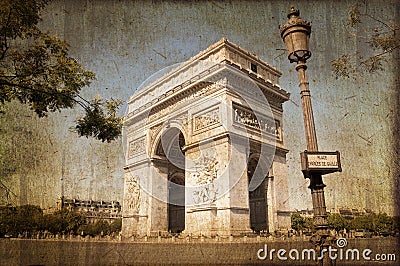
(383, 39)
(116, 226)
(309, 224)
(96, 228)
(63, 221)
(376, 223)
(20, 220)
(337, 222)
(53, 223)
(297, 222)
(7, 223)
(383, 223)
(36, 70)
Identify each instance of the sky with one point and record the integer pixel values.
(125, 42)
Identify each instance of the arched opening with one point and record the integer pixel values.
(176, 204)
(257, 198)
(170, 149)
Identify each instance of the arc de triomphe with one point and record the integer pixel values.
(205, 152)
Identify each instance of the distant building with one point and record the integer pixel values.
(93, 210)
(349, 213)
(305, 213)
(346, 213)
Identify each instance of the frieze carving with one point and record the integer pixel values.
(205, 176)
(249, 119)
(206, 120)
(170, 108)
(133, 193)
(136, 147)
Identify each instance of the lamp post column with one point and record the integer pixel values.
(295, 33)
(311, 137)
(316, 183)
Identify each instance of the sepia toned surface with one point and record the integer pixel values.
(226, 106)
(125, 42)
(168, 252)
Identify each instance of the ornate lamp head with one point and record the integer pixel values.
(296, 34)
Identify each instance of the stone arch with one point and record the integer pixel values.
(197, 101)
(158, 132)
(170, 160)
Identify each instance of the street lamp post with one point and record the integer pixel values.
(296, 33)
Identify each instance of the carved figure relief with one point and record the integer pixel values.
(205, 176)
(133, 193)
(207, 119)
(156, 114)
(136, 147)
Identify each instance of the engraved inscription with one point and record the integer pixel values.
(249, 119)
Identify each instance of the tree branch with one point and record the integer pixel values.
(6, 47)
(85, 107)
(378, 20)
(383, 53)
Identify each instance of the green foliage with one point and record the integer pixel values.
(63, 221)
(303, 224)
(383, 39)
(98, 228)
(342, 66)
(297, 222)
(21, 219)
(376, 223)
(354, 15)
(309, 224)
(116, 226)
(36, 70)
(7, 221)
(100, 121)
(337, 222)
(29, 220)
(396, 223)
(101, 228)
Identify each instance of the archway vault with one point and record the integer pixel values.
(156, 133)
(170, 162)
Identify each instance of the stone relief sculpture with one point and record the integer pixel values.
(205, 176)
(156, 114)
(136, 147)
(207, 119)
(133, 194)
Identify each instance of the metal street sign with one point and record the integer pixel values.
(320, 162)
